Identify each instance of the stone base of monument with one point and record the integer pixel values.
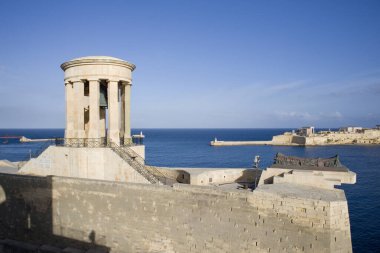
(92, 163)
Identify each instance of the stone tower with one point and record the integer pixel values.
(98, 92)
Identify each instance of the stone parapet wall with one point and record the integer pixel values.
(299, 140)
(178, 174)
(316, 178)
(127, 217)
(282, 139)
(288, 139)
(220, 176)
(92, 163)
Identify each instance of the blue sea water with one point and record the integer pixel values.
(190, 148)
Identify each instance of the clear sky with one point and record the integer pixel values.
(201, 64)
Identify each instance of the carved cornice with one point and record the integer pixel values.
(126, 82)
(113, 81)
(98, 77)
(74, 80)
(92, 80)
(97, 60)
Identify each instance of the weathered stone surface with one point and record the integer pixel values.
(129, 217)
(316, 178)
(85, 79)
(93, 163)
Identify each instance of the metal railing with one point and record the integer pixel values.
(152, 174)
(135, 161)
(160, 176)
(81, 142)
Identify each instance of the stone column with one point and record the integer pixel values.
(94, 129)
(79, 109)
(127, 113)
(122, 115)
(70, 118)
(113, 112)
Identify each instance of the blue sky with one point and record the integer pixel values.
(202, 64)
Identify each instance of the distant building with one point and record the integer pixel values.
(305, 131)
(351, 129)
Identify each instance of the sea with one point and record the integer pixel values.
(190, 148)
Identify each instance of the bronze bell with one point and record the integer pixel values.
(103, 102)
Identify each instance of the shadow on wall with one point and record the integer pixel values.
(183, 177)
(250, 178)
(26, 215)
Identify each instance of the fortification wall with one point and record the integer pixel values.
(288, 139)
(300, 140)
(370, 136)
(147, 218)
(282, 139)
(217, 176)
(179, 174)
(93, 163)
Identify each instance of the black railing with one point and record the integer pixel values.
(152, 174)
(162, 176)
(81, 142)
(89, 142)
(135, 161)
(159, 176)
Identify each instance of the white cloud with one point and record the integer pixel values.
(286, 86)
(306, 116)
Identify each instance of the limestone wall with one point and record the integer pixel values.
(282, 139)
(300, 140)
(316, 178)
(219, 176)
(370, 136)
(147, 218)
(288, 139)
(178, 174)
(139, 149)
(268, 174)
(94, 163)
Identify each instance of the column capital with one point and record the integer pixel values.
(74, 81)
(124, 82)
(94, 80)
(112, 81)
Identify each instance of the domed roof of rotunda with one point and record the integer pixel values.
(96, 60)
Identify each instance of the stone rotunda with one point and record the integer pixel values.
(98, 92)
